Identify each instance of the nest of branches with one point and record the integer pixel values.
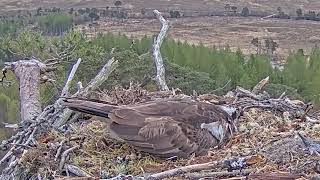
(271, 142)
(275, 138)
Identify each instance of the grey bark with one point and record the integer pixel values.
(161, 77)
(28, 73)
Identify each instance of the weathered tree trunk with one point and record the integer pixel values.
(28, 74)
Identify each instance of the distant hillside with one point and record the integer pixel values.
(270, 5)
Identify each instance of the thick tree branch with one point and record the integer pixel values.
(160, 78)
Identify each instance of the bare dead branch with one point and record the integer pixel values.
(31, 136)
(269, 16)
(160, 78)
(101, 77)
(79, 87)
(64, 156)
(21, 145)
(59, 150)
(257, 88)
(28, 73)
(77, 171)
(124, 177)
(231, 164)
(94, 84)
(7, 156)
(46, 79)
(12, 126)
(215, 175)
(282, 95)
(65, 89)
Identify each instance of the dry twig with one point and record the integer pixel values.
(59, 150)
(64, 156)
(231, 164)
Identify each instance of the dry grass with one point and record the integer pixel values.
(100, 153)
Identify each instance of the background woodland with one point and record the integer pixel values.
(189, 67)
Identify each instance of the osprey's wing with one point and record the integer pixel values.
(181, 110)
(168, 128)
(93, 107)
(165, 137)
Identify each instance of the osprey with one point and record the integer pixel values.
(167, 127)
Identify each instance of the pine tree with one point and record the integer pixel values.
(312, 91)
(257, 68)
(296, 73)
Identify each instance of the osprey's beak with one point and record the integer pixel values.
(230, 110)
(233, 114)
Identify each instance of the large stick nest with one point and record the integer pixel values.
(268, 134)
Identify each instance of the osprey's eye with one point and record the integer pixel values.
(234, 115)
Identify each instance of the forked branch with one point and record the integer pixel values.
(93, 85)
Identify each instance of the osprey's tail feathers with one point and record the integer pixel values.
(89, 106)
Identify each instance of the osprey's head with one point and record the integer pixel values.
(223, 129)
(230, 110)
